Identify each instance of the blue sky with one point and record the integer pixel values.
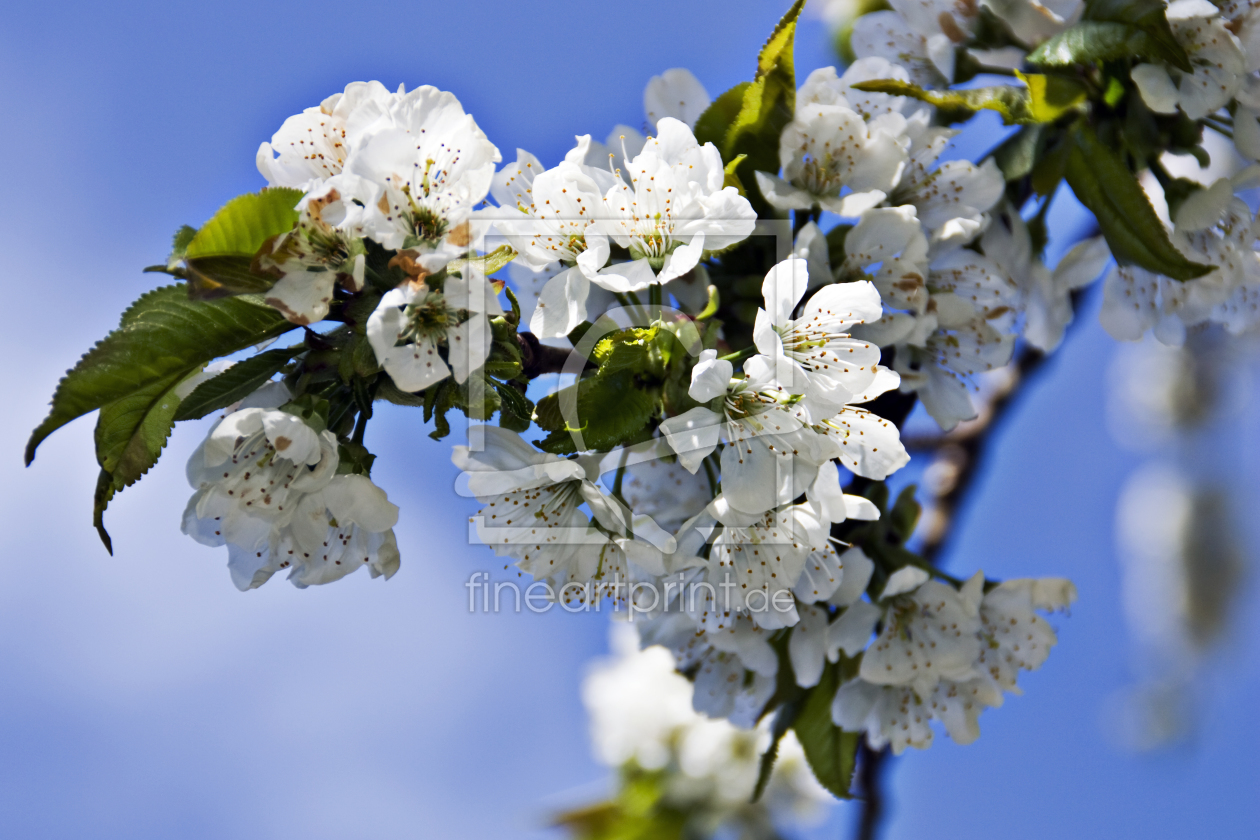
(144, 697)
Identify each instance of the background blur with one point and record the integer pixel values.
(142, 696)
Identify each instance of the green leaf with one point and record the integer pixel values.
(783, 721)
(219, 255)
(830, 751)
(215, 277)
(611, 409)
(162, 336)
(716, 120)
(515, 409)
(1017, 154)
(1091, 41)
(130, 436)
(1148, 16)
(235, 383)
(243, 224)
(1103, 183)
(1044, 99)
(905, 513)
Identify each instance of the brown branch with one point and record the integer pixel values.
(538, 358)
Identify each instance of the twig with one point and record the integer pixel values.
(871, 766)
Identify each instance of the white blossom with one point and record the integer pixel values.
(419, 172)
(1216, 56)
(814, 354)
(672, 211)
(549, 216)
(312, 146)
(830, 156)
(412, 321)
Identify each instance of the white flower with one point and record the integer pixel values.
(1215, 54)
(532, 513)
(891, 242)
(420, 171)
(919, 34)
(774, 449)
(411, 322)
(831, 157)
(548, 217)
(734, 666)
(333, 532)
(315, 255)
(897, 693)
(928, 635)
(666, 492)
(1213, 227)
(952, 199)
(814, 354)
(266, 487)
(1043, 296)
(676, 93)
(312, 146)
(529, 283)
(673, 210)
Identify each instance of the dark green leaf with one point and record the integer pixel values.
(130, 436)
(783, 721)
(905, 513)
(515, 409)
(830, 751)
(1018, 153)
(1096, 41)
(1148, 16)
(163, 335)
(1136, 236)
(235, 383)
(215, 277)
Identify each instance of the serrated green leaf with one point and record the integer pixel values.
(1044, 99)
(219, 255)
(830, 751)
(179, 242)
(1148, 16)
(1017, 154)
(235, 383)
(215, 277)
(130, 436)
(161, 336)
(1103, 183)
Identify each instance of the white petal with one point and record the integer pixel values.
(561, 304)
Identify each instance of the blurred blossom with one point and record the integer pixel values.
(700, 770)
(1179, 542)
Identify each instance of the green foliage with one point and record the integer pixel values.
(1147, 16)
(612, 409)
(130, 435)
(1104, 184)
(748, 119)
(830, 751)
(235, 383)
(218, 258)
(639, 811)
(163, 335)
(1043, 99)
(515, 409)
(1092, 42)
(162, 339)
